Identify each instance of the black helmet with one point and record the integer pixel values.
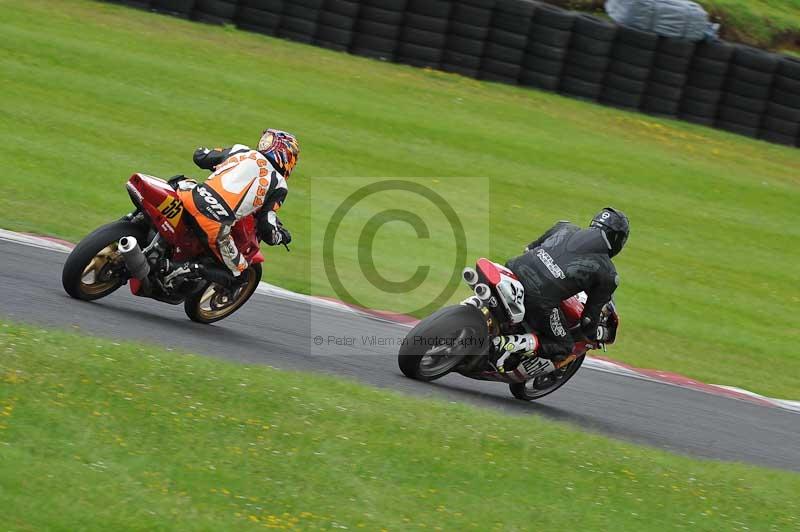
(615, 226)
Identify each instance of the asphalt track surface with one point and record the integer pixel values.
(279, 332)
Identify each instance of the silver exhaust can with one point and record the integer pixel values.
(134, 259)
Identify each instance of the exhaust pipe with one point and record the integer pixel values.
(134, 259)
(483, 292)
(470, 276)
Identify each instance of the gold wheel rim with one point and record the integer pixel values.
(89, 278)
(214, 305)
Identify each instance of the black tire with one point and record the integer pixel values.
(430, 8)
(562, 376)
(642, 40)
(537, 79)
(777, 138)
(717, 50)
(733, 115)
(699, 109)
(588, 45)
(475, 17)
(462, 45)
(335, 20)
(594, 28)
(781, 111)
(789, 99)
(378, 29)
(419, 56)
(751, 105)
(426, 23)
(192, 305)
(660, 106)
(347, 8)
(273, 6)
(463, 70)
(748, 90)
(697, 94)
(787, 84)
(580, 88)
(495, 70)
(258, 21)
(664, 92)
(585, 75)
(756, 59)
(468, 31)
(384, 16)
(334, 38)
(544, 66)
(670, 63)
(622, 99)
(87, 249)
(596, 63)
(748, 75)
(789, 67)
(789, 128)
(677, 48)
(503, 53)
(627, 70)
(705, 81)
(550, 36)
(425, 38)
(297, 29)
(449, 324)
(695, 119)
(181, 8)
(739, 129)
(374, 47)
(507, 39)
(545, 51)
(553, 17)
(216, 11)
(709, 66)
(666, 77)
(461, 63)
(631, 86)
(626, 53)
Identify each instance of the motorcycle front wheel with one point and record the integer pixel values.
(440, 342)
(546, 384)
(214, 303)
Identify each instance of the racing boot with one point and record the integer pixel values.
(511, 349)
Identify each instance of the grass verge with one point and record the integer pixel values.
(96, 435)
(93, 92)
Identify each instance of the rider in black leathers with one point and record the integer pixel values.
(565, 261)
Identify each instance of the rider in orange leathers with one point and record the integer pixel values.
(244, 181)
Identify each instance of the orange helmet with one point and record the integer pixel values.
(281, 148)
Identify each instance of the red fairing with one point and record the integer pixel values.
(162, 205)
(488, 271)
(246, 238)
(573, 310)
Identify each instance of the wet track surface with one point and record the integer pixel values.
(280, 332)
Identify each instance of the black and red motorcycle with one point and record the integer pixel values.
(459, 338)
(173, 266)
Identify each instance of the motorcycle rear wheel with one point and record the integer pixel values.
(213, 304)
(440, 342)
(89, 271)
(546, 384)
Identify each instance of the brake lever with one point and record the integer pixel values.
(287, 247)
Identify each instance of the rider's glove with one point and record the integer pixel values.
(271, 230)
